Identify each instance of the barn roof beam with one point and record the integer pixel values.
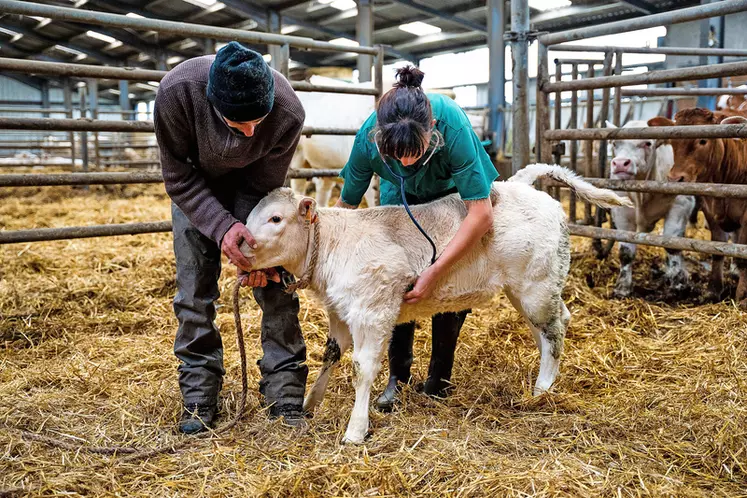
(471, 25)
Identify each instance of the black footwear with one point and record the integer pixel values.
(197, 418)
(390, 397)
(435, 388)
(292, 415)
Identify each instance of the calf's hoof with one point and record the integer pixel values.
(390, 397)
(622, 292)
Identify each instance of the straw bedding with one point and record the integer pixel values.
(650, 400)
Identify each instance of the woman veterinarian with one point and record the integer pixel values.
(427, 141)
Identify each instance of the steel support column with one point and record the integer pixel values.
(67, 95)
(364, 33)
(45, 97)
(279, 59)
(709, 29)
(93, 98)
(520, 105)
(497, 80)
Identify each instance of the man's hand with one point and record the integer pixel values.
(258, 278)
(231, 242)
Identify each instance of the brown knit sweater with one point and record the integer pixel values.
(199, 152)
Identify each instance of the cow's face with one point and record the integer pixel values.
(631, 158)
(693, 157)
(278, 224)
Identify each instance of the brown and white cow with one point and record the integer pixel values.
(714, 160)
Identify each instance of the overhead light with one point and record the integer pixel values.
(174, 60)
(16, 38)
(80, 3)
(286, 30)
(68, 50)
(340, 4)
(154, 83)
(8, 32)
(345, 41)
(146, 87)
(115, 92)
(102, 37)
(132, 14)
(43, 21)
(267, 57)
(132, 95)
(143, 57)
(548, 4)
(80, 57)
(188, 43)
(420, 28)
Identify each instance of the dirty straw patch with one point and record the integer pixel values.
(651, 397)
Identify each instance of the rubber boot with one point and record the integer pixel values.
(446, 328)
(400, 361)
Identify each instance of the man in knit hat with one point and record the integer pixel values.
(227, 126)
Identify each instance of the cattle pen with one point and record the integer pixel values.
(650, 398)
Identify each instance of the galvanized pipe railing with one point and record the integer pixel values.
(52, 124)
(173, 27)
(656, 132)
(137, 74)
(651, 77)
(651, 21)
(726, 52)
(680, 91)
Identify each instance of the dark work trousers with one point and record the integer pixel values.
(446, 328)
(198, 343)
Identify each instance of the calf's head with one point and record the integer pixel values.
(279, 226)
(631, 158)
(694, 158)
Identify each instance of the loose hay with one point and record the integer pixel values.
(650, 399)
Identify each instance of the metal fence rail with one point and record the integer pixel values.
(547, 144)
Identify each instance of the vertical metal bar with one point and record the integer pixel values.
(67, 95)
(543, 150)
(497, 70)
(161, 64)
(574, 143)
(93, 96)
(589, 144)
(707, 27)
(83, 134)
(284, 64)
(617, 109)
(274, 23)
(602, 250)
(124, 98)
(45, 97)
(520, 105)
(209, 46)
(364, 33)
(379, 76)
(558, 123)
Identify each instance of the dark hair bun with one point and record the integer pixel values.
(409, 77)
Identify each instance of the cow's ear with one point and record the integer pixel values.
(610, 124)
(660, 121)
(307, 209)
(734, 120)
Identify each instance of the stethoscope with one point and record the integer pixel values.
(402, 179)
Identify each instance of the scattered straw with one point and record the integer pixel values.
(650, 400)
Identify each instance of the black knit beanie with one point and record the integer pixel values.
(241, 86)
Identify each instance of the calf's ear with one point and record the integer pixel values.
(610, 124)
(734, 120)
(307, 209)
(660, 121)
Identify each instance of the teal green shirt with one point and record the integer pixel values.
(460, 162)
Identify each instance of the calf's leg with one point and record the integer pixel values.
(716, 283)
(324, 188)
(548, 319)
(624, 219)
(368, 352)
(742, 266)
(675, 224)
(337, 343)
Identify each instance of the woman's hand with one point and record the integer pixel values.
(424, 285)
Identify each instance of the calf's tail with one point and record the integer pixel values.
(599, 196)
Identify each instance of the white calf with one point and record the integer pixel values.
(360, 264)
(644, 160)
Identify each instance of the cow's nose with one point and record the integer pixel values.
(621, 164)
(673, 177)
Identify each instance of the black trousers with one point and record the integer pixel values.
(198, 343)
